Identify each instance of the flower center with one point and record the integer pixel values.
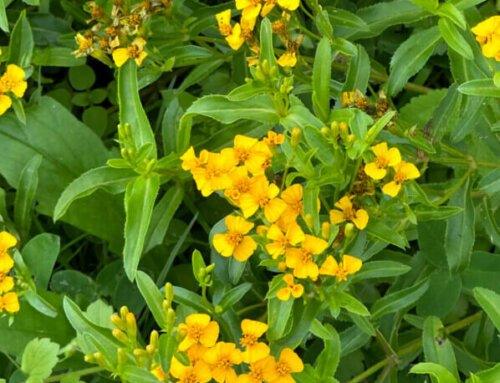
(282, 368)
(190, 377)
(399, 178)
(224, 362)
(225, 29)
(349, 213)
(242, 154)
(256, 375)
(133, 51)
(195, 332)
(382, 162)
(341, 273)
(263, 201)
(306, 257)
(234, 238)
(248, 340)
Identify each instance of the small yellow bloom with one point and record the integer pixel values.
(273, 139)
(235, 242)
(301, 259)
(85, 44)
(5, 103)
(281, 241)
(240, 184)
(348, 266)
(236, 38)
(257, 372)
(134, 51)
(12, 81)
(251, 153)
(252, 331)
(250, 11)
(197, 373)
(348, 212)
(190, 161)
(221, 359)
(294, 289)
(488, 35)
(262, 195)
(385, 158)
(215, 174)
(404, 171)
(280, 371)
(7, 241)
(294, 205)
(288, 59)
(9, 302)
(199, 329)
(6, 283)
(224, 22)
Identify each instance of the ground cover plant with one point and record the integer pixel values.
(249, 191)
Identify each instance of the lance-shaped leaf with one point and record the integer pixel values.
(28, 184)
(437, 371)
(489, 302)
(321, 79)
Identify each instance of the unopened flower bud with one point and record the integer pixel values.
(218, 309)
(169, 292)
(343, 130)
(139, 353)
(170, 317)
(99, 359)
(120, 335)
(123, 312)
(150, 349)
(150, 165)
(117, 321)
(325, 230)
(296, 136)
(124, 153)
(89, 358)
(351, 138)
(325, 131)
(131, 325)
(153, 338)
(210, 268)
(349, 230)
(128, 130)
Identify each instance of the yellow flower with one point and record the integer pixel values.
(280, 371)
(385, 158)
(12, 81)
(294, 205)
(236, 38)
(290, 5)
(224, 22)
(190, 161)
(281, 241)
(348, 266)
(488, 35)
(134, 51)
(199, 330)
(197, 373)
(7, 241)
(296, 290)
(9, 302)
(288, 59)
(240, 184)
(215, 174)
(252, 331)
(5, 103)
(251, 10)
(6, 283)
(85, 44)
(404, 171)
(235, 242)
(262, 195)
(250, 152)
(273, 139)
(158, 372)
(348, 213)
(301, 259)
(257, 372)
(221, 359)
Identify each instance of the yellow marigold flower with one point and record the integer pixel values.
(158, 372)
(198, 373)
(7, 241)
(488, 35)
(273, 139)
(281, 241)
(294, 205)
(199, 329)
(235, 242)
(288, 59)
(262, 195)
(250, 11)
(348, 212)
(85, 44)
(280, 371)
(195, 353)
(290, 5)
(215, 174)
(385, 158)
(224, 22)
(5, 102)
(257, 372)
(190, 161)
(404, 171)
(252, 331)
(292, 288)
(221, 359)
(348, 266)
(134, 51)
(12, 80)
(301, 259)
(251, 153)
(236, 38)
(240, 184)
(6, 283)
(9, 302)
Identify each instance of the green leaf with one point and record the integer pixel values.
(373, 132)
(40, 255)
(4, 22)
(39, 358)
(358, 72)
(380, 269)
(411, 56)
(322, 71)
(328, 360)
(430, 213)
(436, 349)
(490, 303)
(278, 313)
(342, 18)
(490, 183)
(26, 191)
(454, 39)
(167, 347)
(198, 264)
(112, 180)
(21, 42)
(131, 110)
(199, 73)
(56, 56)
(452, 13)
(190, 299)
(233, 296)
(133, 373)
(491, 375)
(460, 233)
(399, 300)
(266, 43)
(439, 372)
(153, 297)
(429, 5)
(140, 198)
(444, 292)
(246, 91)
(384, 233)
(347, 301)
(480, 87)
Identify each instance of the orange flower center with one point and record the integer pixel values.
(382, 162)
(225, 29)
(282, 368)
(256, 375)
(213, 172)
(224, 362)
(298, 207)
(341, 273)
(86, 44)
(190, 377)
(399, 178)
(263, 201)
(133, 51)
(243, 185)
(234, 238)
(305, 257)
(242, 154)
(195, 332)
(248, 340)
(349, 213)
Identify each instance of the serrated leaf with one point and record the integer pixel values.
(454, 39)
(39, 358)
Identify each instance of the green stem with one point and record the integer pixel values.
(85, 371)
(251, 307)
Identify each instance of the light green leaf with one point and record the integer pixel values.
(439, 372)
(234, 295)
(347, 301)
(454, 39)
(429, 5)
(358, 73)
(26, 191)
(21, 42)
(266, 43)
(278, 313)
(39, 358)
(452, 13)
(382, 232)
(40, 254)
(489, 302)
(321, 75)
(153, 297)
(57, 57)
(4, 22)
(380, 269)
(328, 359)
(490, 183)
(480, 87)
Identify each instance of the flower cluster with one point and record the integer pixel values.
(238, 33)
(11, 83)
(8, 299)
(390, 158)
(213, 359)
(285, 233)
(120, 33)
(488, 35)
